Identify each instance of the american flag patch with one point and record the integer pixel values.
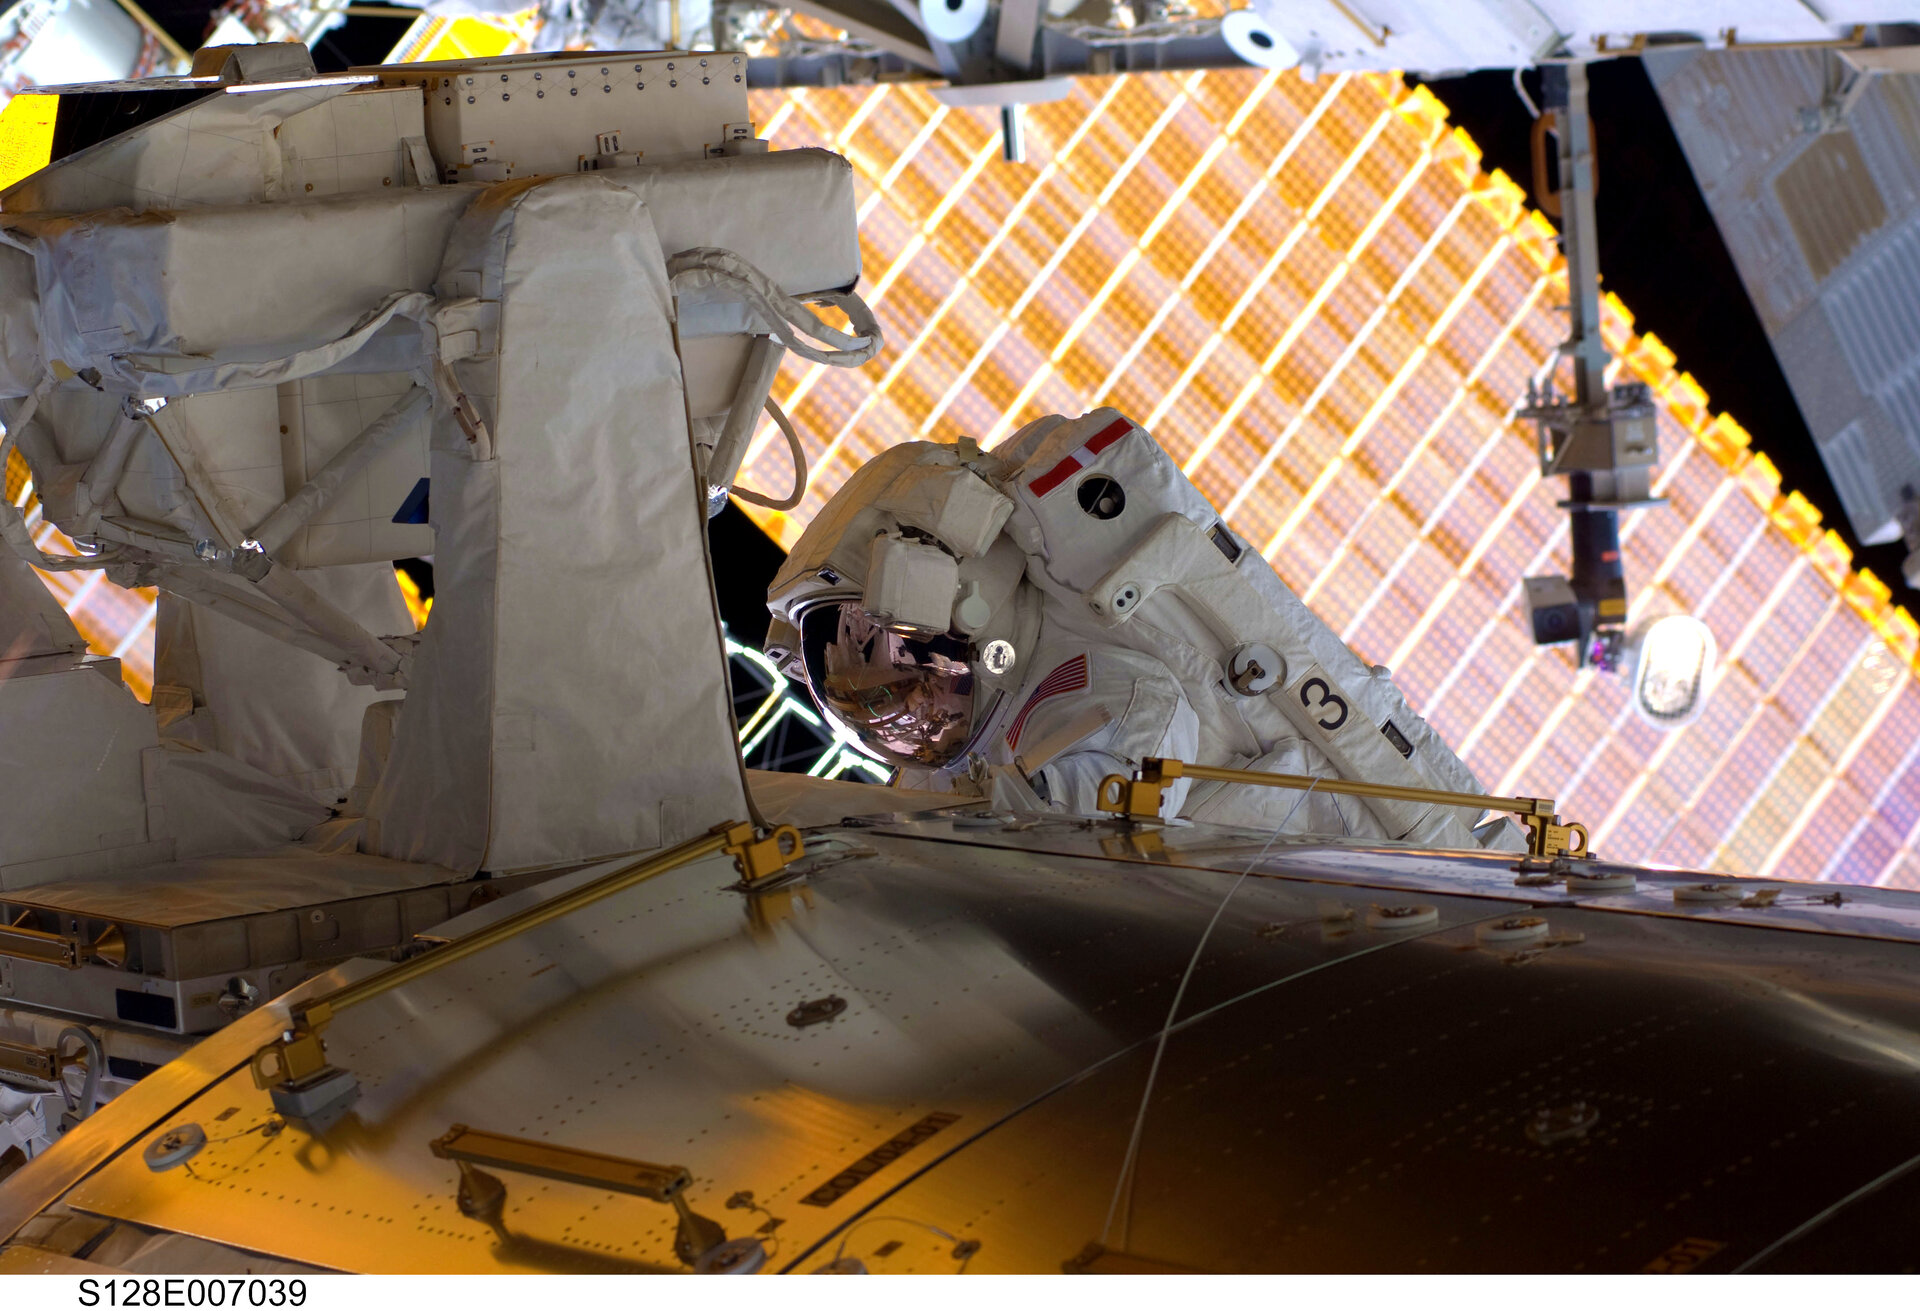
(1081, 458)
(1070, 677)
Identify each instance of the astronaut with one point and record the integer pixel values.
(1025, 622)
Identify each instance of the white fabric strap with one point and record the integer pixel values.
(120, 374)
(708, 266)
(779, 417)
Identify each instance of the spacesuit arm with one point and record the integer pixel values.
(1156, 721)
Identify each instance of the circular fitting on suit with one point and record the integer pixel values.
(998, 657)
(1620, 880)
(1101, 497)
(736, 1256)
(1124, 598)
(1710, 893)
(1397, 919)
(174, 1146)
(971, 612)
(1514, 931)
(1254, 669)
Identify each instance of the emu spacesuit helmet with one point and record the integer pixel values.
(909, 700)
(895, 605)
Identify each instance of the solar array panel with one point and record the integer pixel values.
(1321, 306)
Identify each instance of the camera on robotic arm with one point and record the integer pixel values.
(1606, 452)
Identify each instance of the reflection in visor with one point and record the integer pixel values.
(908, 700)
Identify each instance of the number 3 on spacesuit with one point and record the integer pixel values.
(1329, 711)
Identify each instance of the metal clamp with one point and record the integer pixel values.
(1548, 839)
(483, 1197)
(1140, 797)
(761, 858)
(298, 1053)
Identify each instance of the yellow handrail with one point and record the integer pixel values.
(1139, 798)
(301, 1052)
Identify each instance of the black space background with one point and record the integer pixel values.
(1660, 252)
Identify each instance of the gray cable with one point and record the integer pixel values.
(1822, 1217)
(1124, 1183)
(1520, 89)
(955, 1239)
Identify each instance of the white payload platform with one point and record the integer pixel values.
(289, 328)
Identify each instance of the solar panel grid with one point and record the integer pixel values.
(1761, 742)
(1882, 699)
(1423, 573)
(1897, 801)
(1505, 730)
(1543, 734)
(1389, 347)
(1610, 772)
(1374, 550)
(1828, 827)
(1584, 756)
(1815, 694)
(1651, 812)
(1395, 433)
(1873, 854)
(1306, 445)
(1746, 596)
(1737, 780)
(1783, 625)
(1450, 672)
(1821, 828)
(1884, 753)
(1626, 746)
(1491, 561)
(1684, 570)
(1855, 717)
(1765, 820)
(1563, 752)
(1688, 841)
(1445, 266)
(1179, 335)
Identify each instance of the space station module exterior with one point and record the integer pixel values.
(1108, 614)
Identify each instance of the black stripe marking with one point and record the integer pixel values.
(878, 1159)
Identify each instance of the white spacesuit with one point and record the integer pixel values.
(1024, 622)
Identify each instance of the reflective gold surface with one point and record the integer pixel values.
(933, 1057)
(656, 1026)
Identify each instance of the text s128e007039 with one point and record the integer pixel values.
(210, 1291)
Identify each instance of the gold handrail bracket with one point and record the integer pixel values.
(484, 1197)
(1140, 798)
(294, 1066)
